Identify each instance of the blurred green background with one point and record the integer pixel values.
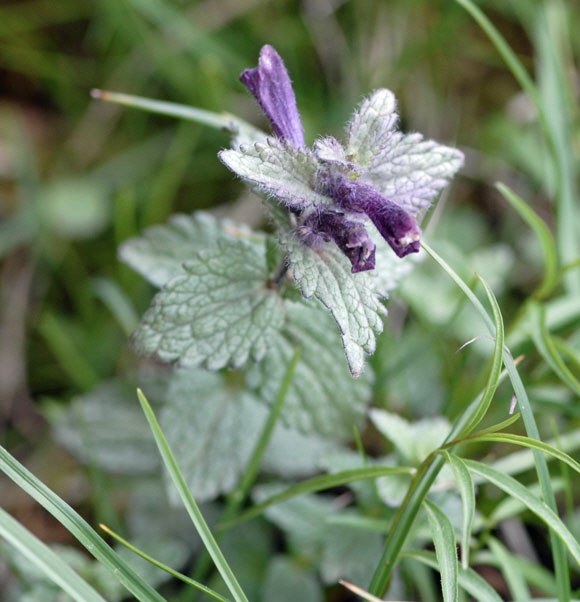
(79, 176)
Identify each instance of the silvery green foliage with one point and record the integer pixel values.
(288, 581)
(106, 428)
(160, 252)
(219, 313)
(351, 298)
(277, 169)
(404, 167)
(213, 429)
(323, 398)
(413, 442)
(349, 553)
(223, 299)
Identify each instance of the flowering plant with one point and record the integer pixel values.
(334, 208)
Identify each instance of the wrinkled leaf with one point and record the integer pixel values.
(279, 170)
(303, 519)
(323, 397)
(351, 299)
(213, 431)
(106, 428)
(159, 253)
(219, 313)
(404, 167)
(414, 441)
(210, 429)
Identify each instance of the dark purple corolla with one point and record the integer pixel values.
(381, 175)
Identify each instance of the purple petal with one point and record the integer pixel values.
(270, 84)
(350, 237)
(397, 226)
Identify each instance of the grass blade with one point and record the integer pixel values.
(78, 527)
(518, 491)
(190, 503)
(46, 560)
(496, 365)
(469, 580)
(510, 570)
(219, 121)
(319, 484)
(526, 442)
(445, 549)
(467, 493)
(164, 567)
(551, 270)
(547, 348)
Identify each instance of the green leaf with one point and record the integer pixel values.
(320, 483)
(277, 169)
(351, 298)
(530, 443)
(467, 493)
(446, 550)
(510, 569)
(413, 441)
(538, 507)
(303, 519)
(46, 560)
(164, 547)
(213, 432)
(159, 253)
(220, 313)
(496, 364)
(323, 397)
(546, 347)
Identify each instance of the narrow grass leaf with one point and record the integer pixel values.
(547, 348)
(78, 527)
(538, 507)
(468, 579)
(527, 442)
(559, 553)
(320, 484)
(445, 549)
(467, 493)
(551, 272)
(164, 567)
(510, 570)
(496, 365)
(39, 554)
(190, 504)
(511, 60)
(219, 121)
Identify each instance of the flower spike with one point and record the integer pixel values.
(270, 84)
(332, 191)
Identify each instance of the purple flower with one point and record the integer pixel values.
(395, 225)
(270, 84)
(351, 237)
(380, 174)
